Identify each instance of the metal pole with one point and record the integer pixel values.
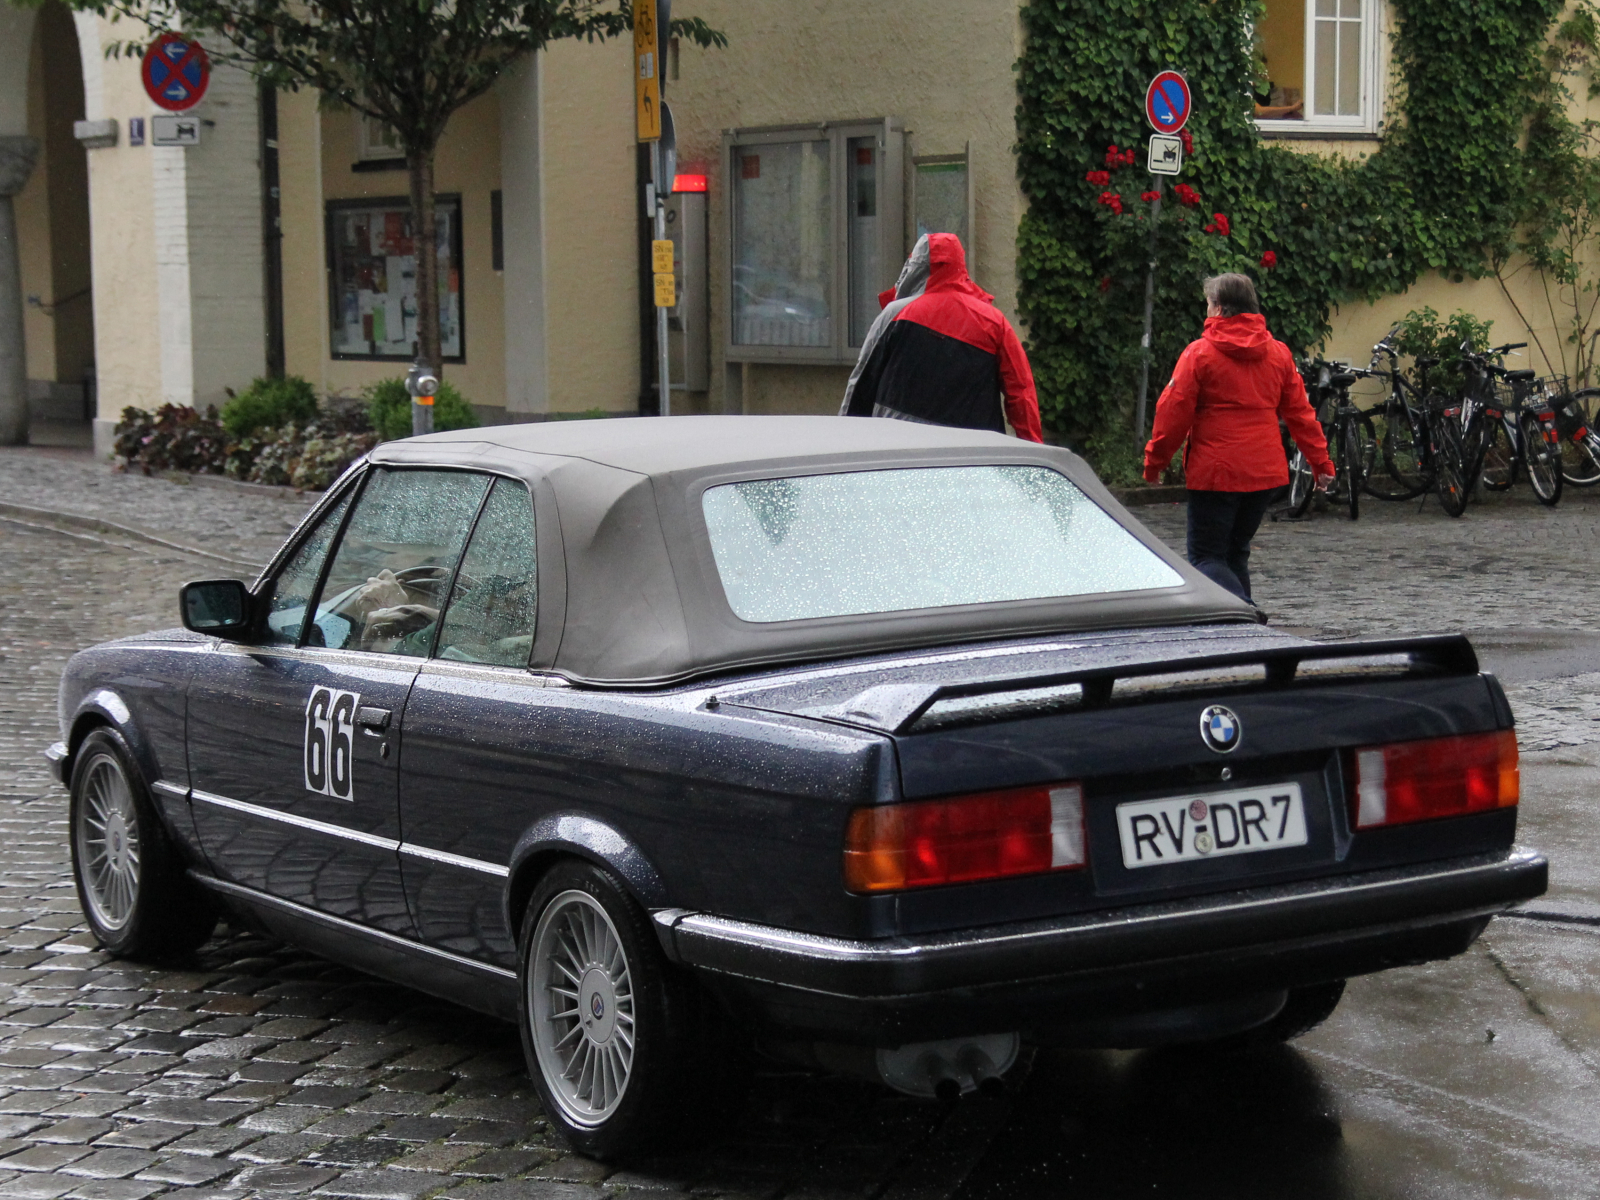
(664, 368)
(1149, 312)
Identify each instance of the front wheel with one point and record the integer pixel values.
(1301, 484)
(131, 882)
(1499, 458)
(1541, 457)
(607, 1023)
(1350, 468)
(1449, 472)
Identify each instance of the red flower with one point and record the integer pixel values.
(1221, 225)
(1211, 228)
(1105, 284)
(1269, 260)
(1099, 178)
(1112, 201)
(1113, 157)
(1186, 195)
(1149, 197)
(1187, 139)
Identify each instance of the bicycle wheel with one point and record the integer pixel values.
(1499, 458)
(1541, 459)
(1404, 459)
(1448, 470)
(1350, 440)
(1301, 484)
(1580, 453)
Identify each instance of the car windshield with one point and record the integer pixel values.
(889, 541)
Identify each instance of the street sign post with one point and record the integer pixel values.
(647, 70)
(1165, 156)
(1167, 102)
(1167, 106)
(176, 72)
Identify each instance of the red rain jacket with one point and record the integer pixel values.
(1226, 395)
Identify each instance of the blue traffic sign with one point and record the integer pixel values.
(1167, 103)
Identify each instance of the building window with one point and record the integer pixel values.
(816, 229)
(1322, 62)
(372, 272)
(376, 141)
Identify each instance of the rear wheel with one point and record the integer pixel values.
(1306, 1008)
(607, 1023)
(1542, 460)
(1301, 484)
(131, 881)
(1350, 468)
(1404, 474)
(1499, 458)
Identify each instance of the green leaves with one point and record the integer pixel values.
(1445, 189)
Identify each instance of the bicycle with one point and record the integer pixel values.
(1352, 442)
(1522, 434)
(1576, 413)
(1407, 442)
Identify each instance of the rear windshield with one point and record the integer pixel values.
(925, 537)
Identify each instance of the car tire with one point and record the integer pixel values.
(615, 1066)
(1306, 1008)
(131, 880)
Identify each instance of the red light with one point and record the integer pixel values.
(988, 835)
(690, 183)
(1441, 777)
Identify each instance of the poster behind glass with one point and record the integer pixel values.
(375, 280)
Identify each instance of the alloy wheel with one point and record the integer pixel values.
(109, 846)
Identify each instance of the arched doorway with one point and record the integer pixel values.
(53, 239)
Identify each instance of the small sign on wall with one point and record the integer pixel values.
(174, 131)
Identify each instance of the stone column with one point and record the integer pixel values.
(17, 156)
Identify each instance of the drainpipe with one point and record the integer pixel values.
(271, 231)
(17, 156)
(644, 177)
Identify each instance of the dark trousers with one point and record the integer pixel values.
(1221, 525)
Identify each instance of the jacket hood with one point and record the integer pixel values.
(913, 276)
(947, 271)
(1243, 337)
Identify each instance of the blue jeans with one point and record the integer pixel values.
(1221, 525)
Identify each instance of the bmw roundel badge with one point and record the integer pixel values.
(1220, 729)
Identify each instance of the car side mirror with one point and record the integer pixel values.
(218, 607)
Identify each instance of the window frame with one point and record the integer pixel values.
(891, 194)
(331, 212)
(1368, 121)
(495, 480)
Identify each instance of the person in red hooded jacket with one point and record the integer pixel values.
(940, 352)
(1226, 396)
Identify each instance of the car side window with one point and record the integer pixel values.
(492, 606)
(290, 591)
(395, 561)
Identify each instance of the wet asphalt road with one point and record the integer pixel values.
(263, 1071)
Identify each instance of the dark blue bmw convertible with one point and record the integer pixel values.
(881, 746)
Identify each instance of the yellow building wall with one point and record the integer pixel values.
(122, 215)
(316, 152)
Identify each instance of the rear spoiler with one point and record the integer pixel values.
(897, 708)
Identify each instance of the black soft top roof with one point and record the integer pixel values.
(629, 572)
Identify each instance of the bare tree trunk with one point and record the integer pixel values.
(420, 164)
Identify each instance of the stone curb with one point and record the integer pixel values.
(1163, 494)
(51, 519)
(275, 491)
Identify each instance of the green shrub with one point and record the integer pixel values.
(1423, 333)
(389, 409)
(268, 404)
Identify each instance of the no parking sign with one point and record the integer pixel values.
(1167, 102)
(176, 72)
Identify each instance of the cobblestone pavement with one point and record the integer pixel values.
(259, 1070)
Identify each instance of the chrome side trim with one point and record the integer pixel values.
(455, 860)
(308, 823)
(324, 827)
(250, 895)
(170, 789)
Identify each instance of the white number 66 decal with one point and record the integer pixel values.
(330, 727)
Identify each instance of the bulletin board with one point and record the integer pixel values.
(372, 280)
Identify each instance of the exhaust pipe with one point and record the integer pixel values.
(951, 1068)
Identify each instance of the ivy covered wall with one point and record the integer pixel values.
(1439, 192)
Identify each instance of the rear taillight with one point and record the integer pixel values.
(987, 835)
(1441, 777)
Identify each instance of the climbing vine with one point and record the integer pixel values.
(1443, 189)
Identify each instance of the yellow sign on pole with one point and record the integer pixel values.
(666, 291)
(661, 256)
(647, 70)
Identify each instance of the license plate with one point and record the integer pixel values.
(1183, 828)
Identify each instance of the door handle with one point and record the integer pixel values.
(375, 719)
